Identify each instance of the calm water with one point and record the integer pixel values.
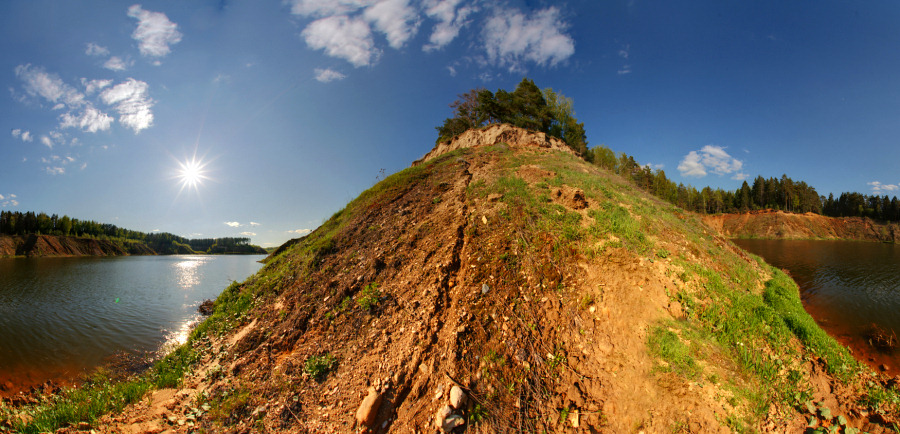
(846, 286)
(62, 316)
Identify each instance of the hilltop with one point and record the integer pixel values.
(502, 284)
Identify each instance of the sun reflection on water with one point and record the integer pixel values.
(187, 274)
(178, 337)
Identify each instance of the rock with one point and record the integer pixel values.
(368, 409)
(493, 197)
(485, 288)
(439, 392)
(442, 415)
(452, 422)
(885, 367)
(457, 397)
(206, 308)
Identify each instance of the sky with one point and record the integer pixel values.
(261, 118)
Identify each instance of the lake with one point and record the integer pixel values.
(852, 289)
(60, 317)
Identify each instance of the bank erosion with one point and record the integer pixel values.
(508, 286)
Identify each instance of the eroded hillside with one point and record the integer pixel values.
(781, 225)
(508, 287)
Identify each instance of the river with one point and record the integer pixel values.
(851, 289)
(62, 317)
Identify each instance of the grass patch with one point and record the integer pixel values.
(666, 345)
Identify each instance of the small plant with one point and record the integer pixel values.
(368, 297)
(436, 200)
(477, 414)
(662, 254)
(586, 301)
(319, 366)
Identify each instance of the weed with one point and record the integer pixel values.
(477, 413)
(319, 366)
(368, 297)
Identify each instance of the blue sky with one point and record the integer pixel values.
(294, 107)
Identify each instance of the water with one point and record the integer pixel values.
(849, 288)
(61, 317)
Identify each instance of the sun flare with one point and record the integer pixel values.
(191, 173)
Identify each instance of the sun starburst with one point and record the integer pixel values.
(191, 173)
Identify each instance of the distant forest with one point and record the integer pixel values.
(17, 223)
(783, 194)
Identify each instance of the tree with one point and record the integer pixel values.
(525, 107)
(564, 124)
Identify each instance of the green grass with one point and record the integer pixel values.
(666, 345)
(368, 297)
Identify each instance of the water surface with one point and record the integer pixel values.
(848, 287)
(60, 317)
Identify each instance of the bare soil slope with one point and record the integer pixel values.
(51, 245)
(509, 288)
(778, 224)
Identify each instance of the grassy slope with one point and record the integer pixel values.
(741, 329)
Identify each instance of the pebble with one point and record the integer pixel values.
(452, 422)
(457, 397)
(485, 288)
(442, 415)
(368, 409)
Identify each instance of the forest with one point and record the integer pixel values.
(553, 113)
(18, 223)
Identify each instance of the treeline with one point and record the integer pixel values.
(18, 223)
(782, 194)
(526, 107)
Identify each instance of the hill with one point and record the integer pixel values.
(508, 286)
(778, 224)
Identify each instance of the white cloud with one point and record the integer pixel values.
(248, 234)
(711, 158)
(740, 176)
(38, 82)
(47, 142)
(450, 21)
(626, 69)
(300, 231)
(24, 136)
(155, 33)
(511, 38)
(89, 120)
(324, 8)
(342, 37)
(96, 50)
(395, 18)
(328, 74)
(115, 63)
(233, 224)
(878, 187)
(8, 200)
(91, 86)
(133, 103)
(254, 224)
(55, 170)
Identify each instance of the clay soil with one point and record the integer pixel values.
(781, 225)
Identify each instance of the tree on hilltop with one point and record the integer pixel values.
(526, 107)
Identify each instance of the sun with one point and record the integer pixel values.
(191, 173)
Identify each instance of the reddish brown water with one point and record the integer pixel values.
(850, 288)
